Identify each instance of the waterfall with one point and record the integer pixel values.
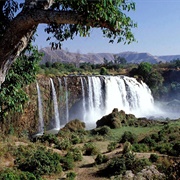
(104, 93)
(99, 96)
(67, 101)
(40, 111)
(83, 98)
(56, 124)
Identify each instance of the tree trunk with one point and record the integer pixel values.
(22, 27)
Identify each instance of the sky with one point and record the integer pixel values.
(158, 32)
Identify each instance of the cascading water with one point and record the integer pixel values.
(98, 96)
(56, 125)
(83, 98)
(40, 111)
(108, 92)
(67, 101)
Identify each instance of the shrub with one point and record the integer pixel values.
(75, 153)
(140, 147)
(103, 71)
(67, 162)
(140, 164)
(64, 145)
(153, 157)
(104, 130)
(128, 136)
(90, 149)
(149, 141)
(116, 166)
(127, 147)
(71, 175)
(12, 174)
(38, 161)
(50, 138)
(111, 146)
(100, 158)
(75, 139)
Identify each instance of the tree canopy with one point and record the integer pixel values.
(65, 19)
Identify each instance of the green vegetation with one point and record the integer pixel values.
(22, 73)
(132, 149)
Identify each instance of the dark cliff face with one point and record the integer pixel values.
(171, 76)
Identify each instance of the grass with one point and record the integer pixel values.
(139, 131)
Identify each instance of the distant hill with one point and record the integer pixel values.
(98, 58)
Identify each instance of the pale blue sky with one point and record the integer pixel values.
(158, 32)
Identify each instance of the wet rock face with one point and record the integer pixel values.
(28, 121)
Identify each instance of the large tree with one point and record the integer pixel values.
(64, 18)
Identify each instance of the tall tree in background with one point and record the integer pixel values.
(64, 19)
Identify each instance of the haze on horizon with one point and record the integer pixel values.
(157, 32)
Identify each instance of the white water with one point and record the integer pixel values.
(67, 100)
(40, 111)
(108, 92)
(83, 97)
(56, 124)
(100, 95)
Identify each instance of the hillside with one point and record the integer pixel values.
(98, 58)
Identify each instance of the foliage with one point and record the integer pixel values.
(128, 161)
(128, 136)
(103, 71)
(65, 144)
(50, 138)
(22, 73)
(151, 76)
(67, 162)
(140, 147)
(11, 174)
(111, 146)
(101, 158)
(90, 149)
(75, 153)
(38, 161)
(110, 12)
(71, 175)
(104, 131)
(153, 157)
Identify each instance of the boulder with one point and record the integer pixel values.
(116, 119)
(75, 125)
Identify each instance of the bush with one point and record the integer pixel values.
(90, 149)
(75, 153)
(149, 141)
(103, 71)
(67, 162)
(10, 174)
(104, 130)
(140, 164)
(38, 161)
(128, 136)
(100, 158)
(111, 146)
(140, 147)
(50, 138)
(64, 145)
(153, 157)
(71, 175)
(116, 166)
